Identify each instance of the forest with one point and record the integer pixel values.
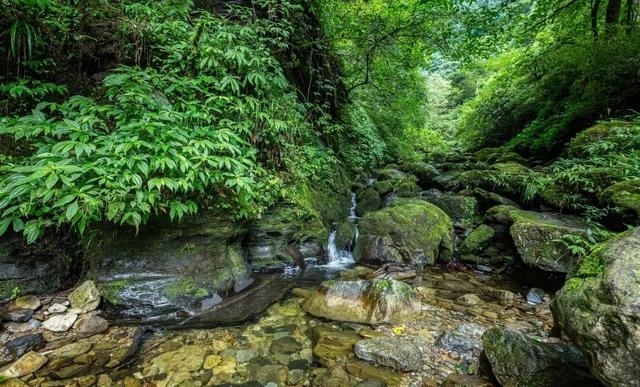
(120, 111)
(506, 131)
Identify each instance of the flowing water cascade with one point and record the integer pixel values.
(342, 258)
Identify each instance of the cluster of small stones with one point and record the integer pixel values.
(287, 347)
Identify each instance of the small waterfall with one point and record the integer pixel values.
(335, 257)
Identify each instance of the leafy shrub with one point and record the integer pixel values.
(194, 132)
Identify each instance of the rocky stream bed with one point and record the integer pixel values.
(449, 284)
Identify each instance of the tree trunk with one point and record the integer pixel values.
(595, 8)
(612, 17)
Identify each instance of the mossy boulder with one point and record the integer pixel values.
(383, 187)
(368, 200)
(522, 361)
(478, 239)
(409, 230)
(599, 309)
(486, 155)
(511, 157)
(542, 239)
(423, 171)
(345, 234)
(394, 174)
(625, 194)
(617, 134)
(459, 208)
(168, 268)
(408, 189)
(364, 301)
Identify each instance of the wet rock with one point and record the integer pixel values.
(286, 345)
(371, 302)
(409, 230)
(371, 383)
(599, 309)
(465, 337)
(283, 237)
(167, 269)
(500, 294)
(520, 361)
(19, 315)
(400, 352)
(477, 240)
(60, 322)
(186, 358)
(28, 302)
(368, 200)
(331, 344)
(43, 267)
(85, 298)
(28, 363)
(364, 370)
(272, 374)
(91, 325)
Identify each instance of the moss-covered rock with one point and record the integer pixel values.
(521, 361)
(367, 201)
(625, 194)
(345, 234)
(599, 309)
(486, 155)
(423, 171)
(383, 187)
(511, 157)
(409, 230)
(365, 301)
(478, 239)
(459, 208)
(542, 239)
(617, 134)
(408, 189)
(394, 174)
(272, 240)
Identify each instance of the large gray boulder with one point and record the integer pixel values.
(542, 239)
(168, 270)
(599, 309)
(409, 230)
(522, 361)
(364, 301)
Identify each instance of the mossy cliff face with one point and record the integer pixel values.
(167, 268)
(410, 230)
(625, 195)
(599, 309)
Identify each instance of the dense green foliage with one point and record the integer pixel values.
(572, 64)
(126, 110)
(210, 123)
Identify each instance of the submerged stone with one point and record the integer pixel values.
(402, 353)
